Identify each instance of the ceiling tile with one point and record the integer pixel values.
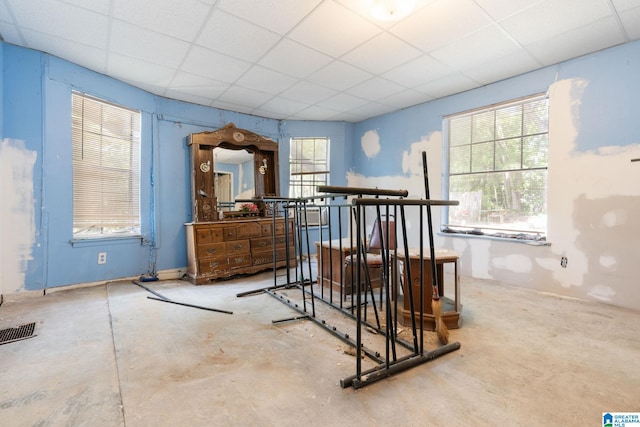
(232, 107)
(552, 17)
(440, 23)
(198, 85)
(5, 15)
(500, 9)
(571, 44)
(448, 85)
(631, 21)
(265, 80)
(215, 65)
(625, 5)
(282, 108)
(78, 53)
(232, 36)
(9, 33)
(254, 57)
(418, 71)
(279, 16)
(62, 20)
(375, 88)
(100, 6)
(136, 71)
(406, 98)
(381, 54)
(342, 101)
(316, 113)
(333, 29)
(166, 16)
(339, 76)
(186, 96)
(307, 92)
(150, 46)
(486, 44)
(371, 109)
(245, 97)
(294, 59)
(503, 67)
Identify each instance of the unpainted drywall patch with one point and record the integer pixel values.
(514, 263)
(412, 159)
(370, 143)
(608, 261)
(602, 293)
(614, 218)
(17, 215)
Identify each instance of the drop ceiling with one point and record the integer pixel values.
(315, 59)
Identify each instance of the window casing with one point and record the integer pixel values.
(308, 166)
(106, 169)
(498, 169)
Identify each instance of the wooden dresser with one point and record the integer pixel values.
(217, 250)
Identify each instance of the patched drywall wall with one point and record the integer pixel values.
(411, 178)
(593, 209)
(17, 220)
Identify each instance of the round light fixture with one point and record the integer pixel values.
(391, 10)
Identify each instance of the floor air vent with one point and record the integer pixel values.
(17, 333)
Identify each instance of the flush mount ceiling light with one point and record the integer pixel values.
(391, 10)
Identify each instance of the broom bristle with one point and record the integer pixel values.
(441, 328)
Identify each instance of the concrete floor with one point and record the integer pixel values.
(109, 356)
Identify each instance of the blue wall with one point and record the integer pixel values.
(35, 91)
(36, 106)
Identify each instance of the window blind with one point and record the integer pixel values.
(106, 168)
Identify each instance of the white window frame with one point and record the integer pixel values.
(489, 133)
(308, 171)
(106, 169)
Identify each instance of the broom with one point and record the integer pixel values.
(436, 303)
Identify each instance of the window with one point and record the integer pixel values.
(308, 166)
(498, 170)
(106, 169)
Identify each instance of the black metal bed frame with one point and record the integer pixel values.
(341, 213)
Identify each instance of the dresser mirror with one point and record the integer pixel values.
(233, 176)
(230, 164)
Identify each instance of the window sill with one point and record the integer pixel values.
(498, 238)
(98, 241)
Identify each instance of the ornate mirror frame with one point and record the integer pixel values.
(203, 193)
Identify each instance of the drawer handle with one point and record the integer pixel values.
(212, 250)
(213, 264)
(237, 247)
(262, 244)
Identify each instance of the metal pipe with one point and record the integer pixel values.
(379, 372)
(359, 201)
(362, 191)
(191, 305)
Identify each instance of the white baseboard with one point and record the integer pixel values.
(171, 274)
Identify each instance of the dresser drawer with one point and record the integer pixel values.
(266, 229)
(206, 235)
(280, 228)
(266, 257)
(260, 258)
(248, 230)
(230, 234)
(281, 241)
(261, 244)
(212, 249)
(213, 265)
(239, 260)
(237, 247)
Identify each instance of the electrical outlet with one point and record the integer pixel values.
(102, 257)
